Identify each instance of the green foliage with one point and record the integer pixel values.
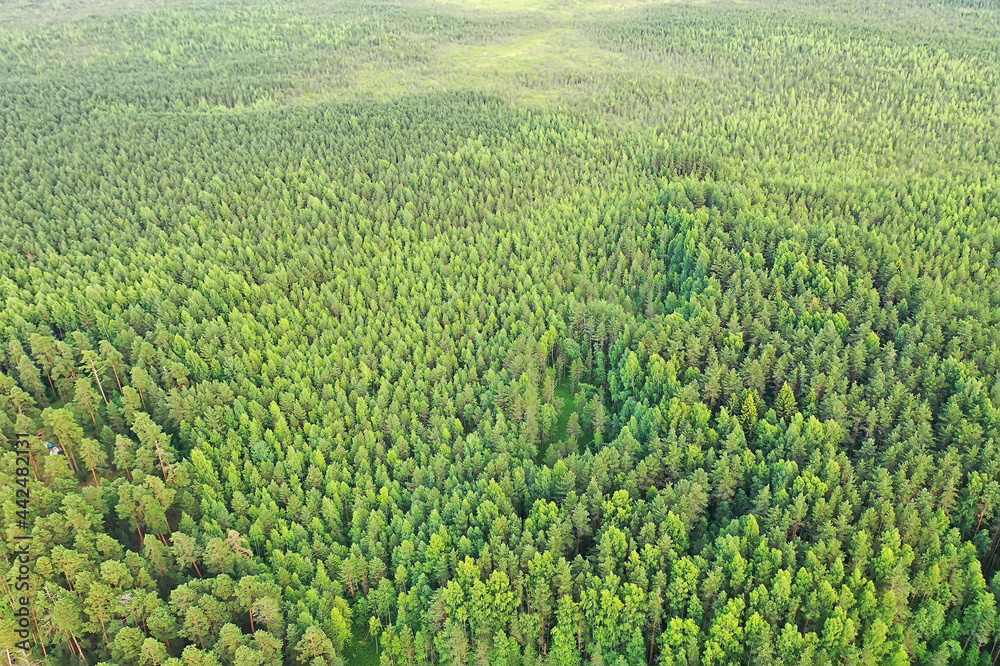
(551, 333)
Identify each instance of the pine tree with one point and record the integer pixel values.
(784, 404)
(748, 415)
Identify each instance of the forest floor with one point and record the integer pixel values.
(569, 406)
(361, 651)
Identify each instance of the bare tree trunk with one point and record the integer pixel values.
(98, 380)
(115, 370)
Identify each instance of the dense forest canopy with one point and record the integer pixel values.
(529, 333)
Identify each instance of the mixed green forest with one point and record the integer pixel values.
(527, 333)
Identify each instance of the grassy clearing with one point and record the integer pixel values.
(547, 59)
(569, 406)
(557, 7)
(552, 64)
(361, 651)
(555, 63)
